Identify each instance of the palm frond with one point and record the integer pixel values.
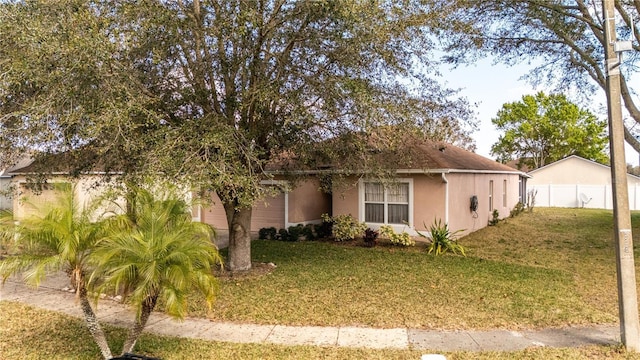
(160, 253)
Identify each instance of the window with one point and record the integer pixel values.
(387, 204)
(490, 195)
(504, 193)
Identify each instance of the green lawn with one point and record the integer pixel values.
(23, 336)
(552, 267)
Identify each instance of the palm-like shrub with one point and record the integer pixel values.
(159, 254)
(442, 239)
(7, 231)
(58, 236)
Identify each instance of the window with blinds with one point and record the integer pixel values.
(386, 205)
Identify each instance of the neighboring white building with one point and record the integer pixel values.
(578, 182)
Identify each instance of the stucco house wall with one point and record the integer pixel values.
(495, 191)
(6, 202)
(344, 198)
(429, 200)
(27, 201)
(307, 202)
(303, 204)
(441, 195)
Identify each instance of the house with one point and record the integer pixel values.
(28, 196)
(436, 182)
(6, 196)
(285, 207)
(289, 205)
(577, 182)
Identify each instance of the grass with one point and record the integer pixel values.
(577, 242)
(329, 284)
(24, 337)
(549, 268)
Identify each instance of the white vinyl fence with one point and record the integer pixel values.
(588, 196)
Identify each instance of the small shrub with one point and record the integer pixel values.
(325, 228)
(443, 240)
(269, 233)
(517, 210)
(283, 235)
(295, 232)
(308, 232)
(402, 238)
(370, 237)
(495, 218)
(346, 228)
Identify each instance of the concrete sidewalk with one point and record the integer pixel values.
(50, 296)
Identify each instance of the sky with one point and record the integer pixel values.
(490, 86)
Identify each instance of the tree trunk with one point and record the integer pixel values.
(93, 325)
(239, 221)
(140, 322)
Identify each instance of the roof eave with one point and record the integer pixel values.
(404, 171)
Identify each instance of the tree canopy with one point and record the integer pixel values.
(541, 129)
(213, 92)
(565, 39)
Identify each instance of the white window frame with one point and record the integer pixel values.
(361, 204)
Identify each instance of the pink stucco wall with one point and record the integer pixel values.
(429, 200)
(307, 202)
(345, 198)
(430, 192)
(463, 185)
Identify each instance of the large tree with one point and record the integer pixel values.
(563, 38)
(541, 129)
(214, 92)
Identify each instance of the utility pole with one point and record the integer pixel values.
(627, 294)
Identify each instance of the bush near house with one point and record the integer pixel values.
(324, 229)
(295, 232)
(517, 210)
(442, 239)
(292, 233)
(495, 218)
(370, 237)
(345, 227)
(308, 232)
(269, 233)
(403, 238)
